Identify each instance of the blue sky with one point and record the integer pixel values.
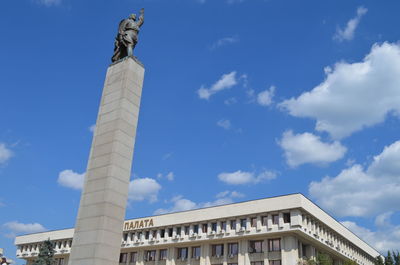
(242, 99)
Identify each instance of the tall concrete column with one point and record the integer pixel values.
(98, 229)
(290, 254)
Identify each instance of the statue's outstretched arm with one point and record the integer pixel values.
(141, 18)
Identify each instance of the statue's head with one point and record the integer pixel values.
(132, 16)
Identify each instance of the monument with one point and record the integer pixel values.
(98, 229)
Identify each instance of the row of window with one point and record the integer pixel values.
(36, 247)
(217, 250)
(204, 227)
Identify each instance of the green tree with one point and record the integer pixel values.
(389, 259)
(351, 262)
(396, 258)
(324, 259)
(46, 253)
(379, 261)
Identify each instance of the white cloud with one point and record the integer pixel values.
(224, 41)
(348, 32)
(182, 204)
(5, 153)
(242, 177)
(308, 148)
(230, 101)
(359, 192)
(49, 3)
(92, 128)
(386, 237)
(71, 179)
(353, 95)
(226, 124)
(20, 228)
(170, 176)
(264, 98)
(141, 189)
(225, 82)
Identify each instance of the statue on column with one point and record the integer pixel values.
(127, 37)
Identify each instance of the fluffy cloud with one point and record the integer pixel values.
(224, 41)
(386, 237)
(242, 177)
(225, 82)
(71, 179)
(363, 192)
(308, 148)
(264, 98)
(5, 153)
(170, 176)
(226, 124)
(353, 95)
(20, 228)
(141, 189)
(49, 3)
(179, 203)
(348, 32)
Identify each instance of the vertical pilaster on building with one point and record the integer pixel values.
(98, 230)
(290, 254)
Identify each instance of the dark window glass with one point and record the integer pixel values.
(187, 230)
(196, 229)
(274, 244)
(182, 253)
(232, 264)
(217, 250)
(133, 257)
(178, 231)
(162, 233)
(286, 218)
(275, 262)
(275, 219)
(150, 255)
(170, 231)
(123, 257)
(256, 246)
(233, 224)
(243, 223)
(146, 235)
(264, 220)
(125, 236)
(163, 254)
(204, 228)
(233, 248)
(61, 261)
(196, 252)
(257, 263)
(214, 227)
(223, 226)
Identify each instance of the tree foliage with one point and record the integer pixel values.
(46, 253)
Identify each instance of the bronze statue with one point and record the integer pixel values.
(127, 36)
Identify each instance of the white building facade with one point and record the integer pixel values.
(273, 231)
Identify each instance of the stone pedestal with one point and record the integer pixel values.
(98, 230)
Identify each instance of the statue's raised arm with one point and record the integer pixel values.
(127, 36)
(141, 18)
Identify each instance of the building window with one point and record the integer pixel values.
(61, 261)
(243, 223)
(178, 231)
(163, 254)
(223, 226)
(187, 230)
(264, 220)
(125, 236)
(133, 257)
(256, 246)
(123, 257)
(257, 263)
(182, 253)
(232, 264)
(154, 234)
(217, 250)
(140, 235)
(196, 252)
(150, 255)
(204, 228)
(286, 218)
(233, 224)
(254, 222)
(162, 233)
(147, 235)
(275, 262)
(214, 227)
(233, 249)
(275, 219)
(196, 229)
(274, 244)
(170, 231)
